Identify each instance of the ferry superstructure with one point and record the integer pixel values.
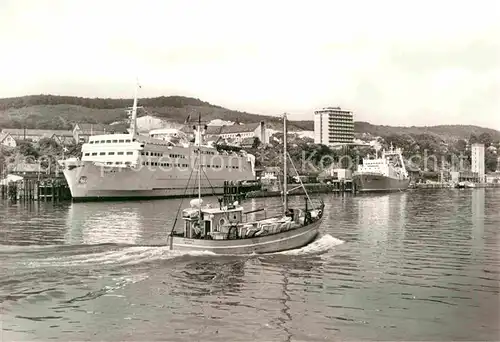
(133, 166)
(387, 173)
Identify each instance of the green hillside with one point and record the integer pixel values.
(444, 132)
(62, 112)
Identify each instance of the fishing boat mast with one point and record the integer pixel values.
(199, 165)
(285, 170)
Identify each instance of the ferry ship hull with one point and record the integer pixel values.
(379, 183)
(89, 182)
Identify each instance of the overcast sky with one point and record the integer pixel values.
(391, 62)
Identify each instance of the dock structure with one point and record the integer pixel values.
(30, 190)
(339, 187)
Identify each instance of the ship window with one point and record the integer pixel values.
(130, 153)
(111, 153)
(142, 153)
(118, 163)
(120, 141)
(128, 163)
(102, 153)
(87, 154)
(91, 141)
(115, 141)
(108, 141)
(102, 141)
(168, 164)
(120, 153)
(128, 140)
(147, 153)
(109, 163)
(94, 153)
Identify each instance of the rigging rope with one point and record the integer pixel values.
(300, 180)
(213, 191)
(180, 205)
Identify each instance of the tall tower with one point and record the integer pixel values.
(477, 155)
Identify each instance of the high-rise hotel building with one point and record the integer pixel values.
(477, 154)
(333, 126)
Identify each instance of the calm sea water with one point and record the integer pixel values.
(404, 266)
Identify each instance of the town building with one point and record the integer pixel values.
(333, 126)
(82, 131)
(147, 123)
(464, 176)
(7, 140)
(477, 165)
(26, 170)
(169, 134)
(35, 135)
(219, 122)
(237, 133)
(493, 177)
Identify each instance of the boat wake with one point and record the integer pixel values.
(319, 246)
(116, 255)
(126, 256)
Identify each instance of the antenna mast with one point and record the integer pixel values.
(133, 121)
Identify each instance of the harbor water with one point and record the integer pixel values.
(414, 266)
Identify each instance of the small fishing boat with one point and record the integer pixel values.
(221, 228)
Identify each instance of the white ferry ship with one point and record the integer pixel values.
(133, 166)
(383, 174)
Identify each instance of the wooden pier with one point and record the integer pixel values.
(29, 190)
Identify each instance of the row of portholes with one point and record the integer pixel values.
(109, 141)
(187, 165)
(129, 153)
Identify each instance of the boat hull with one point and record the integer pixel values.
(88, 182)
(379, 183)
(283, 241)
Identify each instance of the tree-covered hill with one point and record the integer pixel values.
(62, 112)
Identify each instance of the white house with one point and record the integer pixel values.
(237, 133)
(169, 134)
(148, 122)
(61, 136)
(219, 122)
(7, 140)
